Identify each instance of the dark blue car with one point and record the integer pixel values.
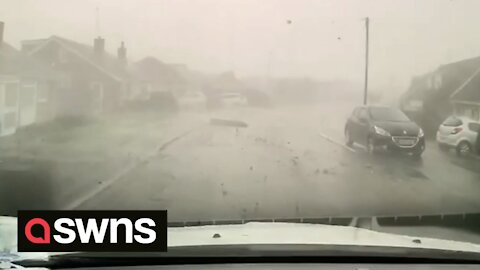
(384, 128)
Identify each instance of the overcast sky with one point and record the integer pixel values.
(325, 39)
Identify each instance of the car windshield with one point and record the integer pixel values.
(226, 112)
(387, 114)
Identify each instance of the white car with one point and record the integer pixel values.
(233, 99)
(459, 133)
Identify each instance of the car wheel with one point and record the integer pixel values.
(348, 138)
(464, 149)
(371, 146)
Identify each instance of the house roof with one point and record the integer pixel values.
(469, 91)
(454, 77)
(10, 61)
(108, 64)
(417, 84)
(7, 49)
(465, 66)
(458, 74)
(15, 63)
(154, 70)
(226, 82)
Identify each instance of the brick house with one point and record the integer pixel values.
(431, 97)
(466, 98)
(24, 87)
(99, 81)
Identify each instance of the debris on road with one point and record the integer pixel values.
(224, 192)
(259, 139)
(417, 241)
(295, 160)
(330, 171)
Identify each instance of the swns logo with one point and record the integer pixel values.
(51, 231)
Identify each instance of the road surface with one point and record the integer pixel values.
(288, 162)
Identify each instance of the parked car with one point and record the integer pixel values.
(459, 133)
(383, 128)
(233, 99)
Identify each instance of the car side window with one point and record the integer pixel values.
(474, 127)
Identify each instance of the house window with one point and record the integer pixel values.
(11, 94)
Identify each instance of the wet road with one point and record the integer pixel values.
(288, 163)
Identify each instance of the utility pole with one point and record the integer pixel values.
(365, 91)
(97, 21)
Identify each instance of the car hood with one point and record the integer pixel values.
(8, 243)
(257, 233)
(260, 233)
(399, 128)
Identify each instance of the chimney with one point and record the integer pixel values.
(122, 52)
(99, 45)
(2, 25)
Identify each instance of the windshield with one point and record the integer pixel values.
(387, 114)
(232, 111)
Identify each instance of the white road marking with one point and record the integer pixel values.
(330, 139)
(363, 147)
(119, 175)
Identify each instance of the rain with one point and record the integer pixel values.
(240, 110)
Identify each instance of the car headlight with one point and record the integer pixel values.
(420, 133)
(381, 131)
